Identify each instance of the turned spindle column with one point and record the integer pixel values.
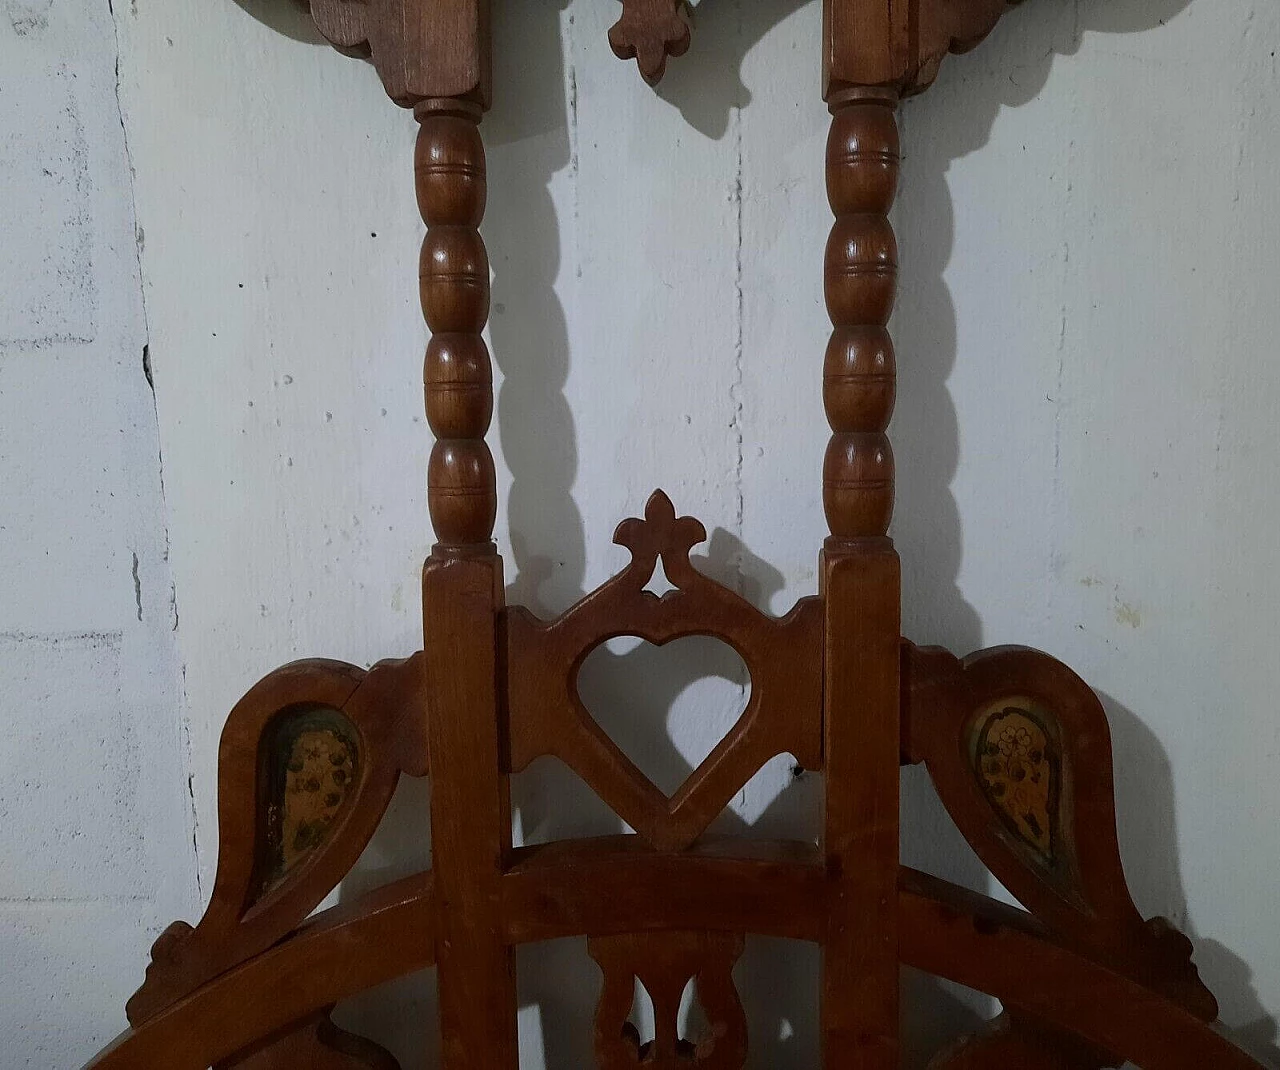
(454, 286)
(462, 591)
(859, 281)
(861, 585)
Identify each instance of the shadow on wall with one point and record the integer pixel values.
(1149, 847)
(529, 141)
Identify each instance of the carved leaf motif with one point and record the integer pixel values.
(649, 31)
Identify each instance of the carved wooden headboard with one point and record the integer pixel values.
(1016, 744)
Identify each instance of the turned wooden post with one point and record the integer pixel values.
(462, 598)
(860, 279)
(861, 588)
(454, 286)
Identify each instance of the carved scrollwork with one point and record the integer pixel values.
(1019, 749)
(664, 963)
(307, 765)
(783, 656)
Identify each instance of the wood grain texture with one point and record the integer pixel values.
(860, 281)
(945, 930)
(1017, 745)
(247, 913)
(618, 884)
(859, 1008)
(449, 169)
(664, 963)
(1016, 1040)
(547, 716)
(898, 44)
(974, 941)
(331, 956)
(1080, 890)
(421, 50)
(470, 811)
(861, 588)
(317, 1044)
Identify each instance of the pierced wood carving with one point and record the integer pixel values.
(1017, 745)
(283, 846)
(546, 715)
(665, 963)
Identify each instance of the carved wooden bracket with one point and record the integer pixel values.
(898, 43)
(422, 49)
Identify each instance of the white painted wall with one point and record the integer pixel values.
(96, 819)
(1089, 229)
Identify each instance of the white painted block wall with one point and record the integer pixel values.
(96, 817)
(1085, 434)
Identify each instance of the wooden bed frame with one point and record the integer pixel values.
(1017, 745)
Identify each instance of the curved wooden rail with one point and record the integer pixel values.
(338, 953)
(974, 941)
(615, 885)
(246, 915)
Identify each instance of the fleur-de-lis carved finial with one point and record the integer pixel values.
(660, 534)
(649, 31)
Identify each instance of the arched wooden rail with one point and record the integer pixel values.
(1015, 743)
(947, 931)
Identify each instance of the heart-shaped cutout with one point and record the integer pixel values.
(666, 707)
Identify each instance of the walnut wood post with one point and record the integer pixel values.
(462, 599)
(860, 280)
(454, 286)
(861, 590)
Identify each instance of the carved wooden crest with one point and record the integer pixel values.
(548, 717)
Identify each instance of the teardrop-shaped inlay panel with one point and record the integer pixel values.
(1017, 764)
(311, 763)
